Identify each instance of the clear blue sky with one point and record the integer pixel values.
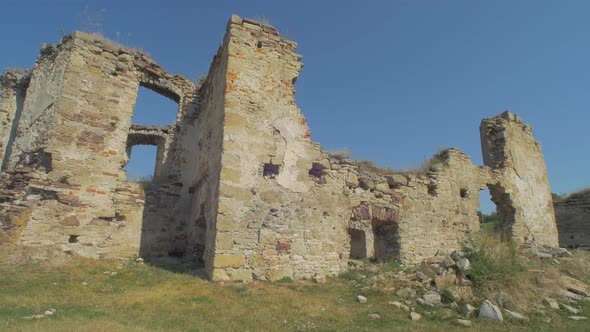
(391, 80)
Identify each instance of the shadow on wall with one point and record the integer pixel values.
(167, 238)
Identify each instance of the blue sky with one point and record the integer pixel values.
(393, 81)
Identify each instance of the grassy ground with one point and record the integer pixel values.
(143, 298)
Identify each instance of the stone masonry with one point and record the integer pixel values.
(573, 220)
(239, 186)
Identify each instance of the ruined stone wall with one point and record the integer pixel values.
(72, 140)
(521, 187)
(573, 220)
(410, 216)
(239, 184)
(273, 220)
(13, 86)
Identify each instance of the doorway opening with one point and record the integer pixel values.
(358, 244)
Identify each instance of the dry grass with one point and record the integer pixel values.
(519, 282)
(145, 298)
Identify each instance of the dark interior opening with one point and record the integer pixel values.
(464, 193)
(358, 244)
(317, 173)
(270, 170)
(432, 189)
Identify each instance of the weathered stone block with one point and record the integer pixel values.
(229, 260)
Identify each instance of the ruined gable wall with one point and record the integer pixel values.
(72, 141)
(83, 146)
(573, 220)
(281, 224)
(521, 187)
(13, 86)
(38, 114)
(410, 216)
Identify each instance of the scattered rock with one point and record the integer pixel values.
(432, 298)
(447, 279)
(49, 312)
(415, 316)
(459, 293)
(374, 316)
(399, 305)
(515, 315)
(396, 304)
(361, 299)
(575, 285)
(464, 281)
(577, 317)
(421, 301)
(421, 277)
(114, 273)
(406, 292)
(139, 260)
(467, 309)
(564, 293)
(319, 279)
(571, 309)
(489, 311)
(457, 255)
(34, 317)
(463, 264)
(552, 303)
(559, 252)
(84, 283)
(463, 322)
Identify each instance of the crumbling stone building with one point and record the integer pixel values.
(239, 185)
(573, 220)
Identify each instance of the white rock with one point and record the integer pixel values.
(463, 322)
(432, 298)
(415, 316)
(361, 299)
(457, 255)
(571, 309)
(552, 303)
(374, 316)
(577, 317)
(463, 264)
(515, 315)
(489, 311)
(396, 304)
